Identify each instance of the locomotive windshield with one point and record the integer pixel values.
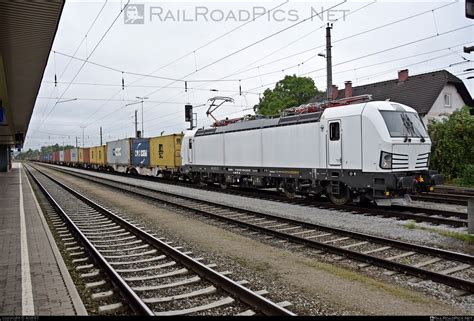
(403, 124)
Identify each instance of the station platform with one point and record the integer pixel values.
(34, 279)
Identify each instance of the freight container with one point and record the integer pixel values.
(92, 155)
(98, 157)
(130, 155)
(84, 155)
(61, 156)
(165, 153)
(74, 155)
(56, 156)
(118, 153)
(101, 155)
(140, 152)
(67, 156)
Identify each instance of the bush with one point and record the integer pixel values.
(452, 143)
(467, 177)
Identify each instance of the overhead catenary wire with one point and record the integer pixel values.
(376, 64)
(129, 86)
(174, 61)
(193, 52)
(121, 100)
(291, 43)
(235, 52)
(136, 73)
(82, 66)
(251, 45)
(178, 87)
(56, 79)
(321, 46)
(365, 77)
(338, 40)
(304, 37)
(241, 49)
(354, 59)
(371, 54)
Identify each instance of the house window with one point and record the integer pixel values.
(447, 100)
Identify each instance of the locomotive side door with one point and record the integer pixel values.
(190, 150)
(334, 145)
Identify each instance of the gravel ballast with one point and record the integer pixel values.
(315, 285)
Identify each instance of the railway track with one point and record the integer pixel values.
(150, 275)
(433, 216)
(446, 189)
(446, 198)
(447, 194)
(446, 267)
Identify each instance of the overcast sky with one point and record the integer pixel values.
(171, 30)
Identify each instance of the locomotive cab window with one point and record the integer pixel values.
(334, 131)
(403, 124)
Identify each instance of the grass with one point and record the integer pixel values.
(370, 281)
(410, 225)
(468, 238)
(459, 236)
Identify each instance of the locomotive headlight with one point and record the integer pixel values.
(386, 160)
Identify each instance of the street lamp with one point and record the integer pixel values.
(142, 98)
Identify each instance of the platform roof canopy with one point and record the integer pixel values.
(27, 31)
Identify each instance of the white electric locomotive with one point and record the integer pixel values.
(372, 150)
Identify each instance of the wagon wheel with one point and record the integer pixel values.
(342, 197)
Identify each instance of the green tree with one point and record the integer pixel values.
(452, 150)
(288, 92)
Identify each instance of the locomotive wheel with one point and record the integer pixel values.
(289, 190)
(223, 185)
(343, 197)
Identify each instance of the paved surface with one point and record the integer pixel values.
(33, 279)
